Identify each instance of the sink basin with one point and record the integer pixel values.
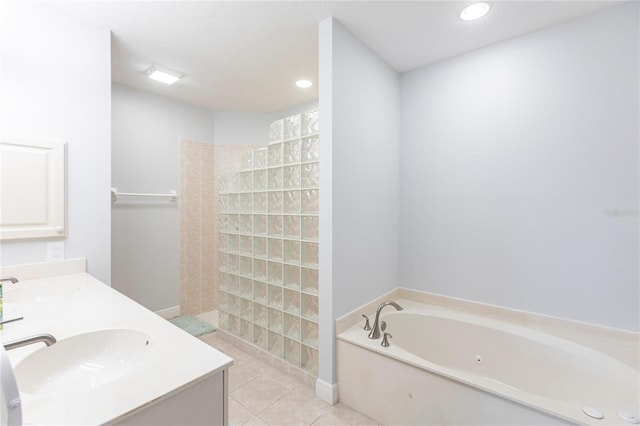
(84, 361)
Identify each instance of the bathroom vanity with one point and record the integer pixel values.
(114, 362)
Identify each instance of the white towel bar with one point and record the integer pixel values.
(172, 195)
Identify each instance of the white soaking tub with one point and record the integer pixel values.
(447, 367)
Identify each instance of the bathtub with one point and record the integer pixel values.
(447, 367)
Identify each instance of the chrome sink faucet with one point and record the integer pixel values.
(375, 329)
(12, 279)
(47, 339)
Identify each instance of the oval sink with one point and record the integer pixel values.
(84, 361)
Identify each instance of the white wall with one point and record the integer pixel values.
(55, 82)
(359, 179)
(511, 156)
(147, 130)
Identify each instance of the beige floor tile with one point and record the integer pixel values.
(238, 414)
(241, 374)
(255, 421)
(259, 394)
(328, 420)
(293, 409)
(350, 416)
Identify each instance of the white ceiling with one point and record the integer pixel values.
(246, 55)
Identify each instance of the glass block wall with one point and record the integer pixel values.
(268, 244)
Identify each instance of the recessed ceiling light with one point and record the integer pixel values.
(474, 11)
(163, 75)
(304, 84)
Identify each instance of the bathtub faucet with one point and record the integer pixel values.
(375, 329)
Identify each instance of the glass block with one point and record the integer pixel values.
(234, 304)
(245, 329)
(246, 203)
(291, 251)
(310, 254)
(310, 177)
(246, 266)
(291, 151)
(259, 270)
(274, 225)
(223, 241)
(246, 245)
(260, 314)
(291, 177)
(223, 281)
(274, 344)
(246, 181)
(292, 127)
(309, 123)
(223, 184)
(274, 154)
(246, 223)
(259, 337)
(260, 180)
(274, 249)
(233, 284)
(260, 247)
(310, 200)
(223, 202)
(246, 288)
(276, 130)
(274, 273)
(223, 222)
(274, 179)
(309, 361)
(274, 296)
(291, 276)
(223, 301)
(310, 149)
(234, 223)
(234, 325)
(291, 226)
(246, 160)
(234, 264)
(309, 306)
(259, 202)
(275, 202)
(233, 243)
(233, 182)
(291, 201)
(246, 309)
(309, 333)
(292, 351)
(260, 158)
(259, 224)
(260, 292)
(223, 261)
(309, 278)
(291, 301)
(274, 320)
(292, 326)
(310, 228)
(224, 320)
(234, 203)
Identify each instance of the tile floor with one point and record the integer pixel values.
(262, 395)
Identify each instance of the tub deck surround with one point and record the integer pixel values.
(74, 307)
(524, 374)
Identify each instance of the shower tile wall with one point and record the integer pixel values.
(268, 244)
(202, 166)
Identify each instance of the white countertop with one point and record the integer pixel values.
(70, 305)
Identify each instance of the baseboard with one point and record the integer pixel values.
(169, 313)
(327, 392)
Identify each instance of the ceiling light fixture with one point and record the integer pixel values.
(474, 11)
(304, 84)
(163, 75)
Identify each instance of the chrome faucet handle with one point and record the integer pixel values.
(385, 340)
(367, 327)
(11, 320)
(8, 278)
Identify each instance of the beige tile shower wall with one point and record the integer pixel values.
(197, 227)
(202, 166)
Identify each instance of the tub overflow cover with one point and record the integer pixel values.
(592, 412)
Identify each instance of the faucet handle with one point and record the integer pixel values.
(385, 340)
(367, 327)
